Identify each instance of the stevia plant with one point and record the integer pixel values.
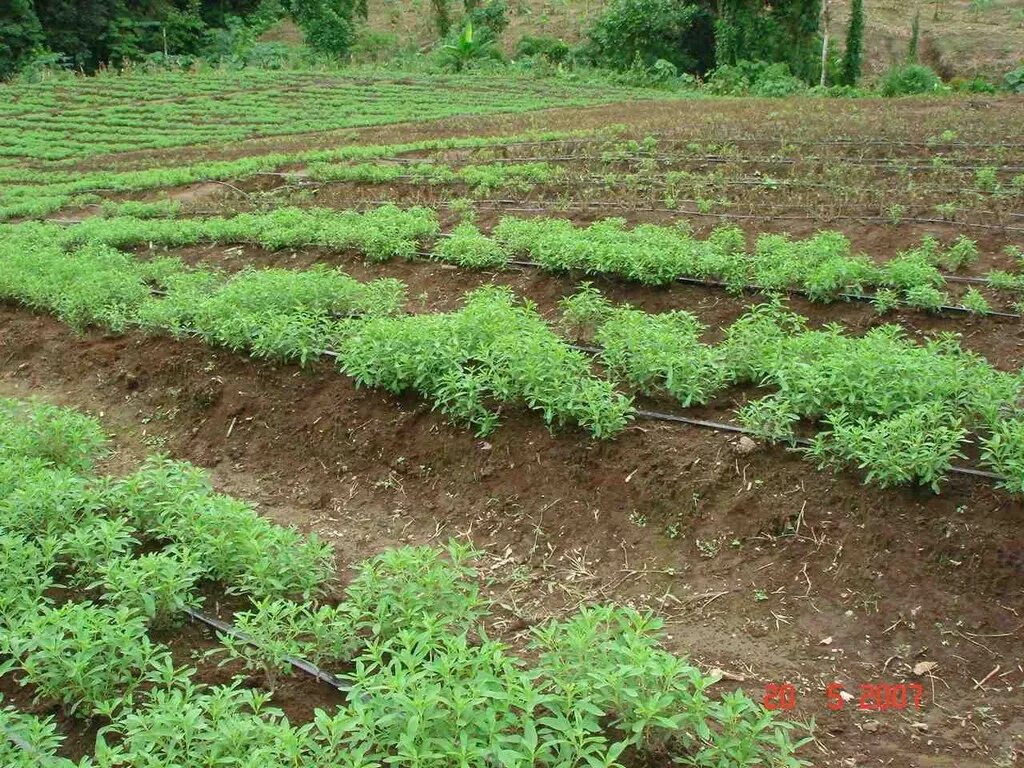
(191, 724)
(653, 352)
(249, 554)
(915, 446)
(157, 585)
(156, 492)
(495, 350)
(27, 576)
(61, 437)
(1003, 451)
(467, 247)
(28, 741)
(93, 544)
(390, 590)
(89, 658)
(608, 660)
(278, 631)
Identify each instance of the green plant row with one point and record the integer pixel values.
(29, 192)
(64, 125)
(901, 411)
(482, 178)
(495, 352)
(822, 266)
(428, 687)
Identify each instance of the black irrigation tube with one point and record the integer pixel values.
(801, 292)
(722, 426)
(579, 141)
(300, 664)
(893, 165)
(499, 204)
(643, 184)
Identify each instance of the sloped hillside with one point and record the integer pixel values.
(958, 37)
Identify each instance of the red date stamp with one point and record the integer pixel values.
(873, 697)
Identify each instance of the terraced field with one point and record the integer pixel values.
(751, 366)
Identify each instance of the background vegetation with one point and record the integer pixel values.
(738, 47)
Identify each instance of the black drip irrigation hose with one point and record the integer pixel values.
(300, 664)
(747, 287)
(723, 427)
(801, 292)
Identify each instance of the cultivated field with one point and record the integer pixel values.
(751, 365)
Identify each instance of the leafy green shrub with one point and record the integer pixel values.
(777, 82)
(467, 247)
(246, 552)
(61, 437)
(975, 302)
(21, 34)
(975, 84)
(756, 78)
(909, 79)
(279, 631)
(1013, 81)
(1003, 451)
(156, 491)
(39, 738)
(93, 544)
(46, 501)
(374, 45)
(28, 574)
(222, 724)
(770, 418)
(653, 352)
(607, 661)
(490, 17)
(554, 50)
(272, 313)
(649, 30)
(328, 24)
(389, 592)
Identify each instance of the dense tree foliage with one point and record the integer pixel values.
(329, 25)
(20, 34)
(784, 31)
(91, 33)
(644, 31)
(854, 44)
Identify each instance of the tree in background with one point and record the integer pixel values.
(82, 30)
(915, 36)
(785, 31)
(329, 25)
(442, 16)
(854, 44)
(648, 30)
(20, 35)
